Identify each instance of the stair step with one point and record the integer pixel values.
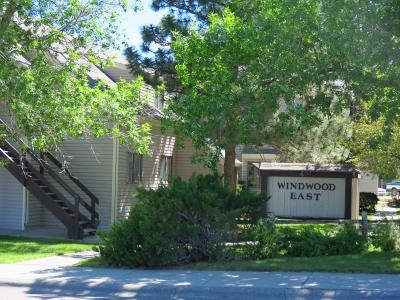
(89, 230)
(44, 189)
(67, 210)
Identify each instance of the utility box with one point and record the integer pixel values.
(321, 191)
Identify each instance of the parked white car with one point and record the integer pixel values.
(393, 186)
(381, 192)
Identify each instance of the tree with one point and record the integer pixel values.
(254, 77)
(367, 42)
(155, 61)
(319, 144)
(47, 49)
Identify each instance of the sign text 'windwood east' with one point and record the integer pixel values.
(306, 190)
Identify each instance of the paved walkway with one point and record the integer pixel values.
(383, 210)
(57, 278)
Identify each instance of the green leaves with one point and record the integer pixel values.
(253, 64)
(367, 49)
(376, 146)
(46, 56)
(269, 71)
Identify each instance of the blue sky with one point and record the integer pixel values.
(131, 22)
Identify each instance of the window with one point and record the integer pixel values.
(159, 102)
(135, 167)
(165, 167)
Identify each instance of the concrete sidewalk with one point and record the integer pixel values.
(57, 278)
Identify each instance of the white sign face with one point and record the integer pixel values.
(314, 197)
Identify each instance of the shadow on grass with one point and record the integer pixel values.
(368, 262)
(16, 249)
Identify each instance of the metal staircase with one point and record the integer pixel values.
(64, 200)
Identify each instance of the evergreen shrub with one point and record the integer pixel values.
(182, 223)
(368, 202)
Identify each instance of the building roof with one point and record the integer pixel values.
(95, 75)
(345, 168)
(120, 71)
(151, 112)
(259, 150)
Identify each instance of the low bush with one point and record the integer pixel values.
(304, 241)
(184, 222)
(368, 202)
(312, 241)
(348, 240)
(386, 236)
(263, 240)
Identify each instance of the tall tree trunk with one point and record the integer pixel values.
(229, 167)
(7, 15)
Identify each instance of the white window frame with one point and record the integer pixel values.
(159, 102)
(135, 168)
(165, 168)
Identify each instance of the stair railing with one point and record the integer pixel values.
(18, 162)
(91, 208)
(93, 199)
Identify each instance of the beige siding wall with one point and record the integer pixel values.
(11, 202)
(183, 165)
(48, 219)
(91, 161)
(160, 145)
(36, 211)
(125, 189)
(149, 92)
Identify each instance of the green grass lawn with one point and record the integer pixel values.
(368, 262)
(16, 249)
